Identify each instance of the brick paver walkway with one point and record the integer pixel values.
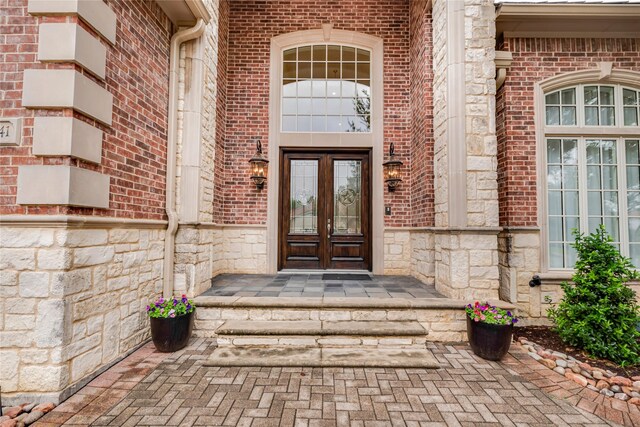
(467, 391)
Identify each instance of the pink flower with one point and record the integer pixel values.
(483, 317)
(172, 313)
(476, 319)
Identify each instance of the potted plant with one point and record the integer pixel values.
(171, 322)
(489, 330)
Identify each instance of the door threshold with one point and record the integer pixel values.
(299, 271)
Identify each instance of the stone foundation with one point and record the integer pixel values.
(73, 300)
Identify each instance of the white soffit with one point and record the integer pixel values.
(184, 12)
(568, 19)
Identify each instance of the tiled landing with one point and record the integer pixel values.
(312, 285)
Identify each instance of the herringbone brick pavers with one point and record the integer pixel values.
(466, 391)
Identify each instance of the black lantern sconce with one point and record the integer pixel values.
(392, 170)
(259, 166)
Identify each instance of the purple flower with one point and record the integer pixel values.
(161, 300)
(157, 304)
(184, 299)
(175, 301)
(188, 307)
(515, 320)
(509, 313)
(148, 308)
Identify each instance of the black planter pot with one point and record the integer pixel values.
(490, 342)
(171, 334)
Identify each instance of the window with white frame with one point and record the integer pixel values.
(592, 148)
(326, 88)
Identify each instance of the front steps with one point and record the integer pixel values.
(327, 332)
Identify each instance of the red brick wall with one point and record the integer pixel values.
(221, 112)
(421, 44)
(535, 60)
(252, 24)
(134, 148)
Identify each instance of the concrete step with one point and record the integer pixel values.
(369, 328)
(322, 341)
(321, 357)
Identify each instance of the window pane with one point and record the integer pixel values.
(570, 151)
(304, 105)
(607, 116)
(349, 71)
(633, 204)
(304, 53)
(610, 177)
(289, 54)
(634, 253)
(593, 177)
(348, 53)
(304, 197)
(319, 89)
(571, 203)
(553, 116)
(555, 229)
(304, 70)
(319, 106)
(630, 116)
(554, 177)
(288, 123)
(569, 97)
(633, 177)
(304, 123)
(609, 152)
(320, 53)
(629, 97)
(634, 230)
(363, 55)
(593, 152)
(319, 124)
(595, 203)
(556, 255)
(304, 88)
(570, 177)
(594, 224)
(334, 124)
(610, 203)
(611, 224)
(319, 70)
(363, 71)
(591, 95)
(571, 253)
(569, 116)
(333, 88)
(289, 70)
(289, 88)
(555, 203)
(570, 223)
(347, 196)
(553, 98)
(591, 116)
(289, 106)
(553, 151)
(606, 95)
(333, 53)
(632, 151)
(333, 70)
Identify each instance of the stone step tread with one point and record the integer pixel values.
(322, 327)
(321, 357)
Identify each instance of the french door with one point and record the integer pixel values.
(325, 215)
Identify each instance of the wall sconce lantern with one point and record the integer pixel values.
(259, 166)
(392, 170)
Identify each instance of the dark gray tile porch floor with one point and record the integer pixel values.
(312, 285)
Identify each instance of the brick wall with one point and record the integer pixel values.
(421, 115)
(221, 111)
(134, 148)
(252, 24)
(535, 60)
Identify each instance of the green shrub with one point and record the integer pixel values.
(598, 312)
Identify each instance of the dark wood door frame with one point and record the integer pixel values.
(335, 251)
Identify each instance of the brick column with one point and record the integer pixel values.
(465, 156)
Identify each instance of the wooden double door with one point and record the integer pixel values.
(325, 212)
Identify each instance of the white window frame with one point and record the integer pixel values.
(604, 75)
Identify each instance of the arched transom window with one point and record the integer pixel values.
(592, 141)
(326, 88)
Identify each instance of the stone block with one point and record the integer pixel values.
(71, 282)
(93, 255)
(43, 378)
(9, 365)
(335, 315)
(17, 259)
(26, 237)
(33, 356)
(84, 238)
(54, 259)
(111, 334)
(85, 364)
(19, 322)
(20, 306)
(50, 323)
(290, 315)
(232, 314)
(8, 278)
(34, 284)
(124, 236)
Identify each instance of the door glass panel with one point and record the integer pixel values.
(347, 215)
(303, 216)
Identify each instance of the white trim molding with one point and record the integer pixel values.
(503, 62)
(373, 140)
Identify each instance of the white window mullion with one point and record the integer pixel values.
(580, 105)
(582, 185)
(622, 198)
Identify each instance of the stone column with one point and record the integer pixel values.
(465, 154)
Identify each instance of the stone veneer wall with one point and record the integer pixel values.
(72, 302)
(410, 252)
(466, 203)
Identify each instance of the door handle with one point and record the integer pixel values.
(328, 228)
